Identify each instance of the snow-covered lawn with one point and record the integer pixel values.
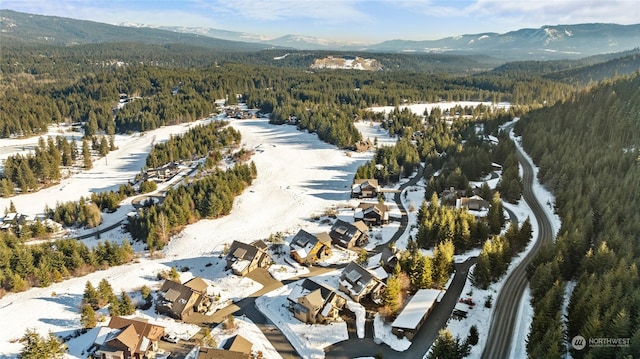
(382, 334)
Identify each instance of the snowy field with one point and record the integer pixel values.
(119, 166)
(420, 108)
(298, 177)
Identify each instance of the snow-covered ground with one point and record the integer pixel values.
(298, 177)
(382, 334)
(420, 108)
(108, 173)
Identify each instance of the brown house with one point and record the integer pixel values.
(243, 258)
(127, 338)
(372, 213)
(213, 353)
(239, 344)
(358, 282)
(181, 300)
(474, 203)
(314, 303)
(349, 235)
(365, 188)
(305, 248)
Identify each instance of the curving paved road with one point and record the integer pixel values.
(504, 317)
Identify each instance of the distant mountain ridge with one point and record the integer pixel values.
(544, 43)
(63, 31)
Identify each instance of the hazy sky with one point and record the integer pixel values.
(354, 20)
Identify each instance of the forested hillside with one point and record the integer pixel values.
(588, 151)
(48, 84)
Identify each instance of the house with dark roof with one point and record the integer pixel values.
(372, 213)
(181, 300)
(358, 282)
(365, 188)
(242, 258)
(126, 338)
(389, 258)
(349, 235)
(315, 303)
(306, 248)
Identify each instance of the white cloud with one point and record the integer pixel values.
(560, 11)
(324, 10)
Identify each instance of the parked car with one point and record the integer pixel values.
(170, 337)
(163, 355)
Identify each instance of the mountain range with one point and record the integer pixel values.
(544, 43)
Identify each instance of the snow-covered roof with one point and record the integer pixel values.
(327, 309)
(103, 334)
(416, 309)
(240, 265)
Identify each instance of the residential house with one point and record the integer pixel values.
(372, 213)
(314, 303)
(365, 188)
(449, 196)
(359, 282)
(389, 258)
(181, 300)
(214, 353)
(349, 235)
(239, 344)
(306, 248)
(414, 314)
(126, 338)
(475, 203)
(243, 257)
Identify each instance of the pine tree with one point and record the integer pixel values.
(495, 216)
(448, 347)
(115, 309)
(174, 275)
(86, 155)
(91, 296)
(105, 293)
(442, 262)
(482, 271)
(37, 347)
(392, 295)
(126, 305)
(473, 337)
(88, 317)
